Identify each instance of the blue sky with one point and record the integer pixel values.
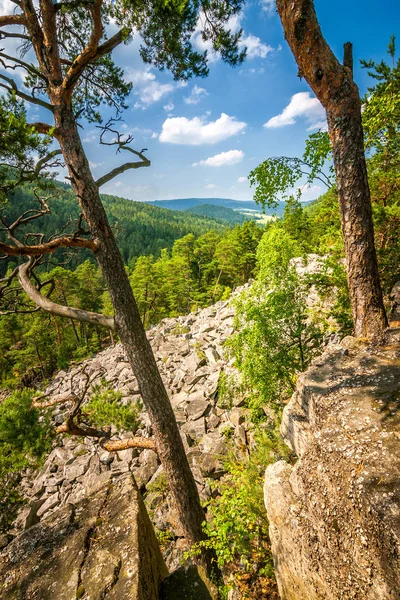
(203, 138)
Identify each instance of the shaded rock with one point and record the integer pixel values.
(122, 560)
(188, 583)
(148, 466)
(195, 429)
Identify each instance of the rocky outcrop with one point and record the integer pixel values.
(335, 515)
(101, 548)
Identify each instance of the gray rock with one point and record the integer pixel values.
(197, 406)
(50, 503)
(124, 563)
(195, 429)
(334, 516)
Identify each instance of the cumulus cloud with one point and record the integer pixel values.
(301, 105)
(242, 180)
(232, 157)
(255, 47)
(210, 186)
(197, 94)
(268, 6)
(148, 89)
(196, 131)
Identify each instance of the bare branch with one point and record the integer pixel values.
(57, 309)
(135, 442)
(12, 87)
(20, 63)
(121, 142)
(7, 34)
(125, 167)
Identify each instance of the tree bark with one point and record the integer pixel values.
(333, 85)
(130, 328)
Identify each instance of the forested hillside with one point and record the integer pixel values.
(140, 228)
(217, 212)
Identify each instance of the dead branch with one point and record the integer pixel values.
(72, 427)
(135, 442)
(57, 309)
(12, 87)
(122, 143)
(61, 399)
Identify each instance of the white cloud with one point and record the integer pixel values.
(169, 106)
(255, 47)
(197, 94)
(210, 186)
(196, 131)
(309, 192)
(232, 157)
(268, 6)
(147, 88)
(242, 180)
(300, 105)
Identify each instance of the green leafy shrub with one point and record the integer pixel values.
(237, 526)
(277, 333)
(25, 438)
(105, 408)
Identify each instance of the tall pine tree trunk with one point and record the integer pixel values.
(130, 328)
(333, 85)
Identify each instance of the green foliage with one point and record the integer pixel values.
(218, 212)
(104, 408)
(228, 390)
(25, 437)
(277, 334)
(21, 148)
(237, 527)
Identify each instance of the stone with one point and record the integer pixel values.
(195, 429)
(334, 516)
(197, 406)
(212, 355)
(236, 416)
(106, 458)
(50, 503)
(125, 561)
(188, 583)
(77, 468)
(148, 466)
(5, 539)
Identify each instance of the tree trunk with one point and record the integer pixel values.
(130, 329)
(333, 85)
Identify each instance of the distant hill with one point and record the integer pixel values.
(222, 213)
(237, 205)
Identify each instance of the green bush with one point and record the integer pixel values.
(25, 438)
(105, 408)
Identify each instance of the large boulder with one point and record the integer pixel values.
(335, 515)
(102, 548)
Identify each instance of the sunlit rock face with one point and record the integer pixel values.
(335, 515)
